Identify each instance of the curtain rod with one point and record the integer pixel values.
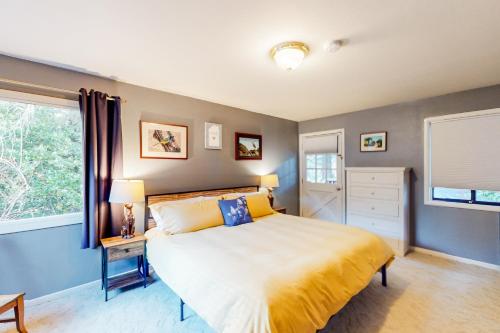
(43, 90)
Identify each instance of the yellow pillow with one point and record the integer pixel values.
(259, 205)
(181, 218)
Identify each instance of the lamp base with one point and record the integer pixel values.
(270, 197)
(128, 226)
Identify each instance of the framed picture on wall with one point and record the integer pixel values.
(247, 146)
(213, 136)
(373, 142)
(159, 140)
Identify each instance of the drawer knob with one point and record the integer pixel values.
(373, 208)
(373, 178)
(373, 193)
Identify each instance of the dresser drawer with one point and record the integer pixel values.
(396, 245)
(374, 178)
(125, 251)
(373, 207)
(388, 230)
(378, 226)
(375, 193)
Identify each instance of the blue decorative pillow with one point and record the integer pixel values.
(235, 212)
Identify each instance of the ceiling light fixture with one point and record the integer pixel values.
(289, 55)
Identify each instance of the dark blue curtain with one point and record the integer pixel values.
(102, 161)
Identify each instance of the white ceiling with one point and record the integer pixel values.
(398, 50)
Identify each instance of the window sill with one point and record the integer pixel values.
(9, 227)
(462, 205)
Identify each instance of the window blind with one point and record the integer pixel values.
(465, 151)
(319, 144)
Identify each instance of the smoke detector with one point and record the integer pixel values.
(334, 45)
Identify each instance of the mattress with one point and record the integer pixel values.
(281, 273)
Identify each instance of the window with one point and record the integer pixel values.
(321, 168)
(40, 162)
(462, 163)
(488, 197)
(466, 196)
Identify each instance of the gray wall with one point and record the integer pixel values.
(467, 233)
(45, 261)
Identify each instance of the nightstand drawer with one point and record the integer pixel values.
(125, 251)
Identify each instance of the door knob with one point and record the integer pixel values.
(339, 188)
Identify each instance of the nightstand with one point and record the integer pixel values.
(281, 210)
(118, 248)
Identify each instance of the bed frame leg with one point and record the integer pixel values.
(182, 310)
(383, 270)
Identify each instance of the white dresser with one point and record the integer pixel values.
(378, 201)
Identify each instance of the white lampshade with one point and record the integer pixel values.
(127, 191)
(269, 181)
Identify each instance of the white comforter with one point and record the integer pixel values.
(279, 274)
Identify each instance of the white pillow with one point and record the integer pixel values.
(188, 215)
(155, 208)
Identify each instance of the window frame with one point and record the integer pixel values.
(43, 222)
(429, 198)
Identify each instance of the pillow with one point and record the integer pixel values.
(235, 212)
(154, 208)
(180, 217)
(185, 201)
(157, 207)
(259, 205)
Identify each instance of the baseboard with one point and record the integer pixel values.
(455, 258)
(64, 292)
(61, 293)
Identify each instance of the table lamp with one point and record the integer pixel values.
(127, 192)
(269, 182)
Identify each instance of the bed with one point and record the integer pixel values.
(281, 273)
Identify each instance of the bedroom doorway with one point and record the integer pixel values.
(321, 162)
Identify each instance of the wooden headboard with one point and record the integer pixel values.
(149, 222)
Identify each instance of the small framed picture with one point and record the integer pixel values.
(213, 136)
(373, 142)
(163, 140)
(247, 146)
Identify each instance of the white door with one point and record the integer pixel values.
(322, 175)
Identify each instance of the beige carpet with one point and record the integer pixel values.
(425, 294)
